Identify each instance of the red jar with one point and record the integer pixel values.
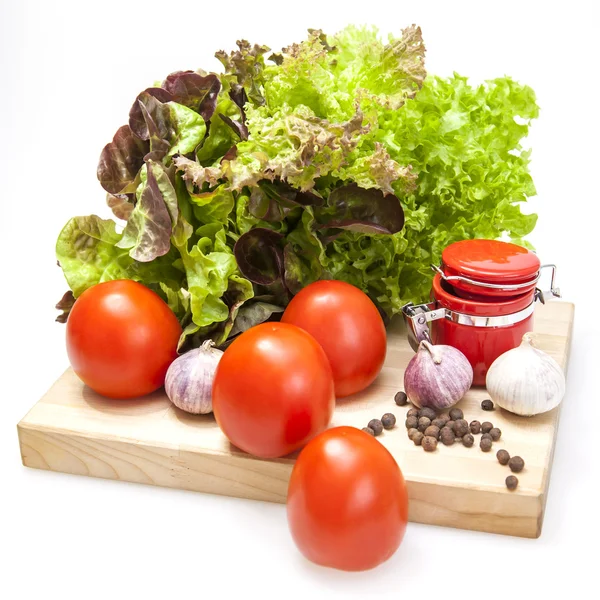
(482, 301)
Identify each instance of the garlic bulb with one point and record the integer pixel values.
(190, 377)
(525, 380)
(437, 376)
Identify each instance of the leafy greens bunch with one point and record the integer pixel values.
(335, 158)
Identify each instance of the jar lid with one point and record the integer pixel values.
(490, 267)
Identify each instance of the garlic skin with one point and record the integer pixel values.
(437, 376)
(190, 377)
(525, 380)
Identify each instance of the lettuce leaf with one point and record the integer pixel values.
(221, 137)
(122, 205)
(148, 230)
(245, 67)
(149, 104)
(194, 91)
(88, 254)
(121, 161)
(208, 264)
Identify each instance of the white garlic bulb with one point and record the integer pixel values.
(190, 377)
(525, 380)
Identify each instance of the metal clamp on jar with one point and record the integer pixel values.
(482, 301)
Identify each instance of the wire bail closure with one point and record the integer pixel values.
(505, 287)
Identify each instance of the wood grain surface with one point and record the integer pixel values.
(73, 430)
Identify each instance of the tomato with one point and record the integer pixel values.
(347, 324)
(347, 503)
(121, 339)
(273, 390)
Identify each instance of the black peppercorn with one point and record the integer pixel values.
(468, 440)
(485, 444)
(424, 423)
(439, 423)
(411, 432)
(412, 412)
(450, 425)
(417, 438)
(495, 433)
(456, 414)
(429, 443)
(427, 412)
(433, 431)
(376, 425)
(401, 399)
(486, 436)
(445, 417)
(512, 482)
(461, 427)
(486, 427)
(447, 436)
(503, 457)
(475, 427)
(487, 405)
(412, 421)
(368, 430)
(516, 464)
(388, 421)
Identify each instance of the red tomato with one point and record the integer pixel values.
(273, 390)
(121, 339)
(347, 503)
(347, 324)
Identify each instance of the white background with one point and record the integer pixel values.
(68, 75)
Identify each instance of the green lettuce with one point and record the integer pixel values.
(88, 253)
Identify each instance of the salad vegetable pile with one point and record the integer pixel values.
(336, 158)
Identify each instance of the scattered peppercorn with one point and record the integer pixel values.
(447, 436)
(411, 432)
(429, 443)
(439, 423)
(426, 429)
(376, 425)
(461, 427)
(495, 433)
(485, 444)
(368, 430)
(456, 414)
(486, 427)
(475, 427)
(516, 464)
(503, 457)
(401, 399)
(468, 440)
(424, 423)
(411, 422)
(427, 412)
(388, 421)
(433, 431)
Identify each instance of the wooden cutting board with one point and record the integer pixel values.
(73, 430)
